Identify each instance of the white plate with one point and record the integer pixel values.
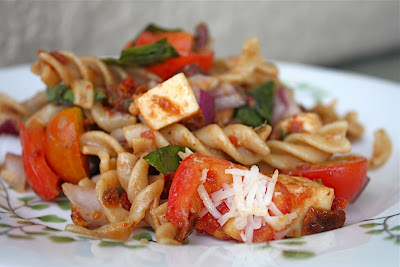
(371, 235)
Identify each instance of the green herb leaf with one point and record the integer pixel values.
(155, 28)
(99, 94)
(60, 94)
(165, 159)
(263, 95)
(3, 225)
(63, 95)
(248, 116)
(147, 55)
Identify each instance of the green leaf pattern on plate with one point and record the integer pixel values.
(375, 228)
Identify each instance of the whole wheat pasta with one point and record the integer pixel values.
(249, 147)
(382, 149)
(65, 66)
(106, 162)
(102, 140)
(111, 120)
(309, 147)
(250, 67)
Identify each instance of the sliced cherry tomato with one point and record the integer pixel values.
(183, 197)
(168, 68)
(62, 146)
(184, 203)
(346, 175)
(39, 175)
(181, 41)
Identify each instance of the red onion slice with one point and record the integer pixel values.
(207, 106)
(9, 126)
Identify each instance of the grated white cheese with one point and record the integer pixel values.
(203, 177)
(208, 202)
(184, 155)
(249, 201)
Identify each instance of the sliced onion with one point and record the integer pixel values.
(207, 106)
(85, 208)
(226, 96)
(9, 126)
(13, 173)
(284, 104)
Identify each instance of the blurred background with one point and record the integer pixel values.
(361, 36)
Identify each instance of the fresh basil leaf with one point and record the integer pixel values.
(60, 94)
(113, 61)
(165, 159)
(263, 95)
(99, 94)
(155, 28)
(248, 116)
(147, 55)
(63, 95)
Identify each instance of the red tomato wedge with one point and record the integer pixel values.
(62, 146)
(39, 175)
(170, 67)
(183, 197)
(346, 175)
(184, 200)
(181, 41)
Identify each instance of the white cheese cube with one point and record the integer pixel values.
(168, 102)
(306, 194)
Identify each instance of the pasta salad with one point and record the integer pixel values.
(170, 137)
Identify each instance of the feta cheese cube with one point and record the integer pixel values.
(167, 103)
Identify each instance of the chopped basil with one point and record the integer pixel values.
(155, 28)
(165, 159)
(248, 116)
(264, 99)
(263, 96)
(282, 134)
(60, 94)
(147, 55)
(99, 94)
(63, 95)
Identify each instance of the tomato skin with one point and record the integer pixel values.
(346, 175)
(184, 201)
(61, 144)
(168, 68)
(183, 197)
(39, 175)
(181, 41)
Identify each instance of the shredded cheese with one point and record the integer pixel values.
(184, 155)
(208, 202)
(249, 201)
